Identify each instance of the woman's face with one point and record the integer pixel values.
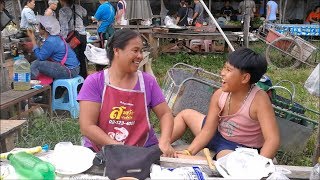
(54, 6)
(31, 4)
(131, 56)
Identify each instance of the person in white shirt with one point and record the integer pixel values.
(121, 13)
(272, 9)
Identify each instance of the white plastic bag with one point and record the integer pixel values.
(279, 174)
(313, 82)
(244, 163)
(96, 55)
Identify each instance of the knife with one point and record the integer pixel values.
(209, 159)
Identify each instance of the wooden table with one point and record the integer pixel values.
(9, 131)
(12, 98)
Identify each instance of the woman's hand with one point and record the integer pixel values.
(30, 34)
(167, 150)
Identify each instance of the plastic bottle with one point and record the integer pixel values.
(31, 167)
(21, 74)
(33, 150)
(315, 173)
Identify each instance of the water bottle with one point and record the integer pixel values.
(315, 173)
(21, 74)
(31, 167)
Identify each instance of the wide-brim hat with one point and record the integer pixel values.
(50, 23)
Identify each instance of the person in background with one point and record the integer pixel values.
(28, 18)
(249, 5)
(121, 12)
(197, 18)
(240, 113)
(105, 15)
(50, 11)
(272, 10)
(182, 16)
(115, 103)
(55, 58)
(314, 16)
(66, 19)
(227, 10)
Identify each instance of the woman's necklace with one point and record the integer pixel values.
(244, 100)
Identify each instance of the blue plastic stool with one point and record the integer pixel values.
(67, 103)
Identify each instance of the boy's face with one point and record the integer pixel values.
(232, 78)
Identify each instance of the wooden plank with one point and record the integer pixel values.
(9, 132)
(11, 97)
(8, 126)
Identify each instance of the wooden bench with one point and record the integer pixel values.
(10, 130)
(12, 98)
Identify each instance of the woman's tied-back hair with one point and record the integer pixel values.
(120, 40)
(25, 2)
(250, 62)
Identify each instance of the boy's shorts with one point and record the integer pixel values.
(219, 143)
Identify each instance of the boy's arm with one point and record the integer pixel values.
(268, 123)
(209, 128)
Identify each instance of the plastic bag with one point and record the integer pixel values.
(96, 55)
(313, 82)
(244, 163)
(279, 174)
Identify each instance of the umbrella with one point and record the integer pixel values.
(138, 10)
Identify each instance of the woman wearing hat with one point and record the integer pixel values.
(53, 4)
(55, 58)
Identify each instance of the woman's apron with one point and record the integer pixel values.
(124, 114)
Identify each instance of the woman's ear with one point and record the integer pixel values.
(246, 78)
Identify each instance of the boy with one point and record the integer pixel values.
(240, 113)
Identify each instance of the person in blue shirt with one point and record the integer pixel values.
(272, 9)
(105, 15)
(55, 58)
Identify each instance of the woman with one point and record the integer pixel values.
(68, 24)
(115, 103)
(55, 58)
(314, 16)
(121, 13)
(28, 18)
(53, 4)
(105, 15)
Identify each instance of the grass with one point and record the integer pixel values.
(42, 130)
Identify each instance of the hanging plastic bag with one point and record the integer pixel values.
(96, 55)
(244, 163)
(313, 82)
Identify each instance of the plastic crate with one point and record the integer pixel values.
(184, 83)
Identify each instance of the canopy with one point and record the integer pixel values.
(138, 10)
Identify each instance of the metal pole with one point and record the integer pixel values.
(284, 10)
(216, 23)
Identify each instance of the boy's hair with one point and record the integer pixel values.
(248, 61)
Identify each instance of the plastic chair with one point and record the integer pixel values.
(67, 102)
(205, 43)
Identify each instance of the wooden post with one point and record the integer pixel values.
(316, 153)
(280, 11)
(246, 26)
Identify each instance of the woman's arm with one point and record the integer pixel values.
(268, 123)
(209, 128)
(88, 119)
(164, 113)
(31, 17)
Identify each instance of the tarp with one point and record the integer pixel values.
(299, 9)
(138, 9)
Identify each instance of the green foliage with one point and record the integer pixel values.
(43, 130)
